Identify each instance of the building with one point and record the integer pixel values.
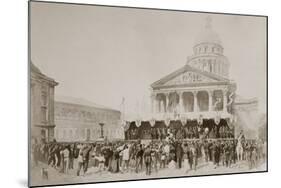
(201, 87)
(42, 105)
(198, 93)
(78, 120)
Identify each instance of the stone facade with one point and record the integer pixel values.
(76, 122)
(42, 89)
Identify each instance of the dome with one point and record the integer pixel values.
(208, 35)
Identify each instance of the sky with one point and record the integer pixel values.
(103, 54)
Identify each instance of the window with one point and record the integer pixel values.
(43, 114)
(44, 98)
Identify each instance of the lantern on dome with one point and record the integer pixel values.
(167, 122)
(152, 122)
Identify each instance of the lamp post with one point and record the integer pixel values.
(101, 129)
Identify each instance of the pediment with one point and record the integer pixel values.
(187, 78)
(188, 75)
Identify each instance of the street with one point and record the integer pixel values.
(93, 175)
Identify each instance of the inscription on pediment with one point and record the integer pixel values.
(188, 77)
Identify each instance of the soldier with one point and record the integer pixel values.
(162, 156)
(139, 158)
(154, 157)
(223, 153)
(179, 153)
(227, 154)
(206, 150)
(147, 160)
(86, 156)
(217, 153)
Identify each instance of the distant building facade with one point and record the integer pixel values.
(42, 105)
(76, 122)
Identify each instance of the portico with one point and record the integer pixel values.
(186, 101)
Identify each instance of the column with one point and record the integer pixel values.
(195, 105)
(51, 107)
(167, 101)
(181, 109)
(225, 100)
(210, 93)
(152, 97)
(157, 105)
(101, 130)
(47, 135)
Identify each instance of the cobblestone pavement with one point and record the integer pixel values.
(94, 176)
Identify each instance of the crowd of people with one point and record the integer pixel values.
(135, 156)
(191, 130)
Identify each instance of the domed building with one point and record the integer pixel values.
(208, 53)
(201, 87)
(197, 99)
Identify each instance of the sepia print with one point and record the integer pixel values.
(119, 93)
